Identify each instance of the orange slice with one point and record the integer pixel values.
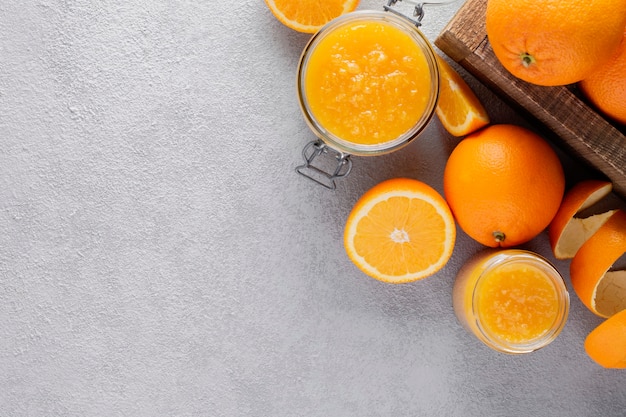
(567, 232)
(401, 230)
(458, 108)
(309, 16)
(600, 288)
(606, 344)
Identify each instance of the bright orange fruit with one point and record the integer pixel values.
(504, 185)
(309, 16)
(567, 232)
(554, 42)
(458, 108)
(401, 230)
(606, 86)
(606, 344)
(600, 288)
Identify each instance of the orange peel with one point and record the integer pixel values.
(566, 232)
(599, 287)
(606, 344)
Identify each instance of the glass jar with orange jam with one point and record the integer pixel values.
(512, 300)
(368, 84)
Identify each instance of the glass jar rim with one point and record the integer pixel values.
(512, 256)
(420, 40)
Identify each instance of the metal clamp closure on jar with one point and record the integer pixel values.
(340, 146)
(418, 11)
(313, 149)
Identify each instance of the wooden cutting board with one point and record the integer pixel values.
(578, 129)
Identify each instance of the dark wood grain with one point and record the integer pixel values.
(578, 128)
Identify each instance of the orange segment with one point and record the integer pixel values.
(599, 288)
(458, 108)
(399, 231)
(606, 344)
(309, 16)
(566, 231)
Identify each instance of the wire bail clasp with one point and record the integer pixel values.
(418, 11)
(316, 148)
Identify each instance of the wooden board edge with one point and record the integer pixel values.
(464, 40)
(590, 152)
(461, 36)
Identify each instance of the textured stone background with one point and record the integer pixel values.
(160, 257)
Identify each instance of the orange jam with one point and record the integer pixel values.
(513, 300)
(368, 82)
(517, 303)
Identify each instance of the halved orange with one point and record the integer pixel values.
(401, 230)
(567, 232)
(600, 288)
(458, 108)
(606, 344)
(309, 16)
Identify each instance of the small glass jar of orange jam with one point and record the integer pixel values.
(512, 300)
(368, 84)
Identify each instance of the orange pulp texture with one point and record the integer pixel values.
(401, 230)
(458, 108)
(517, 303)
(367, 82)
(309, 16)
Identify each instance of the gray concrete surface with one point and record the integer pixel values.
(160, 257)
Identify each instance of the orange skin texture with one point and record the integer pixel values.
(506, 179)
(566, 39)
(596, 256)
(606, 344)
(606, 87)
(571, 204)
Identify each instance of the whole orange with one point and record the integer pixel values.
(606, 87)
(554, 42)
(504, 184)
